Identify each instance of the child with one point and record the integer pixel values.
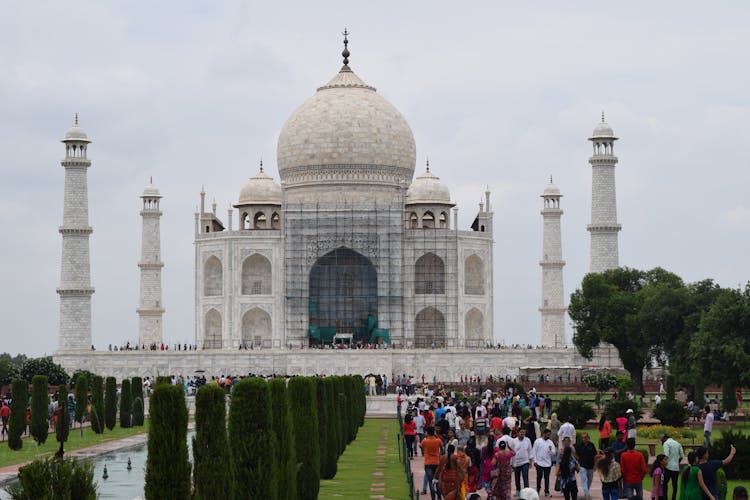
(657, 477)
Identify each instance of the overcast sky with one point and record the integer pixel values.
(498, 94)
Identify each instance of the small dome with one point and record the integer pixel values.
(603, 130)
(551, 189)
(151, 191)
(261, 189)
(76, 133)
(428, 189)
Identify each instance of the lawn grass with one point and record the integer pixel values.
(31, 451)
(358, 463)
(730, 485)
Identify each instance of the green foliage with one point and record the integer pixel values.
(728, 397)
(251, 440)
(212, 474)
(126, 405)
(110, 403)
(136, 388)
(360, 382)
(601, 381)
(324, 421)
(721, 483)
(8, 372)
(327, 424)
(18, 360)
(55, 373)
(670, 387)
(163, 379)
(341, 413)
(656, 431)
(74, 378)
(97, 404)
(624, 386)
(739, 467)
(517, 388)
(302, 398)
(575, 411)
(286, 454)
(167, 465)
(18, 413)
(671, 412)
(62, 426)
(82, 396)
(39, 427)
(337, 423)
(615, 409)
(54, 479)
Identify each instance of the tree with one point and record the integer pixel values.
(633, 310)
(110, 403)
(126, 405)
(8, 372)
(54, 478)
(305, 422)
(55, 373)
(330, 455)
(39, 403)
(97, 404)
(136, 388)
(286, 454)
(62, 425)
(18, 413)
(324, 421)
(251, 440)
(82, 398)
(167, 465)
(212, 474)
(16, 360)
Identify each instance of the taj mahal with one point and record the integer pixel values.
(353, 262)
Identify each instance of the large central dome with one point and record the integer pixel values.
(346, 134)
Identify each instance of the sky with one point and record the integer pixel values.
(498, 94)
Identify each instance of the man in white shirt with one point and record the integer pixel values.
(542, 454)
(567, 431)
(509, 422)
(520, 461)
(674, 452)
(708, 426)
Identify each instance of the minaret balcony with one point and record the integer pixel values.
(75, 230)
(552, 263)
(603, 160)
(71, 292)
(150, 265)
(604, 228)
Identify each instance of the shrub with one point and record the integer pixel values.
(136, 388)
(670, 387)
(341, 413)
(575, 411)
(671, 412)
(39, 402)
(329, 456)
(721, 483)
(739, 467)
(212, 473)
(617, 408)
(656, 431)
(62, 426)
(97, 404)
(624, 385)
(517, 388)
(323, 424)
(54, 478)
(362, 400)
(305, 423)
(74, 378)
(55, 373)
(167, 465)
(337, 424)
(18, 414)
(600, 382)
(251, 439)
(286, 456)
(126, 405)
(82, 396)
(728, 397)
(110, 403)
(163, 379)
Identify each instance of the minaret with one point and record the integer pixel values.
(75, 278)
(553, 298)
(604, 226)
(150, 310)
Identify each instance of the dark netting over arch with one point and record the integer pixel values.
(343, 293)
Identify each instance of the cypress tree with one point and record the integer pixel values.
(338, 425)
(361, 400)
(331, 456)
(18, 414)
(62, 426)
(136, 388)
(110, 403)
(342, 414)
(97, 404)
(353, 405)
(39, 403)
(126, 405)
(167, 465)
(323, 423)
(305, 422)
(212, 475)
(251, 440)
(286, 456)
(82, 396)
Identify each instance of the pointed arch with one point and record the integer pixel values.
(474, 328)
(429, 275)
(259, 221)
(428, 220)
(256, 275)
(212, 277)
(474, 275)
(212, 330)
(275, 221)
(256, 328)
(429, 328)
(443, 220)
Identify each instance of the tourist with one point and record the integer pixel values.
(542, 455)
(566, 471)
(739, 493)
(420, 424)
(554, 426)
(619, 445)
(658, 483)
(630, 425)
(708, 426)
(567, 430)
(693, 486)
(522, 448)
(450, 475)
(605, 432)
(710, 467)
(633, 467)
(674, 453)
(410, 432)
(431, 452)
(622, 426)
(462, 434)
(532, 428)
(586, 453)
(4, 416)
(501, 462)
(609, 473)
(487, 465)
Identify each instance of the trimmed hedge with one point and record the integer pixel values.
(126, 405)
(82, 396)
(739, 467)
(251, 440)
(286, 454)
(302, 398)
(55, 478)
(97, 404)
(671, 412)
(575, 411)
(62, 426)
(110, 403)
(212, 475)
(617, 408)
(18, 413)
(167, 465)
(136, 389)
(39, 402)
(324, 422)
(329, 457)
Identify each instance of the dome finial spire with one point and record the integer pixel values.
(550, 179)
(345, 52)
(428, 163)
(75, 120)
(602, 116)
(261, 164)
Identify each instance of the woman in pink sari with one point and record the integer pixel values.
(501, 484)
